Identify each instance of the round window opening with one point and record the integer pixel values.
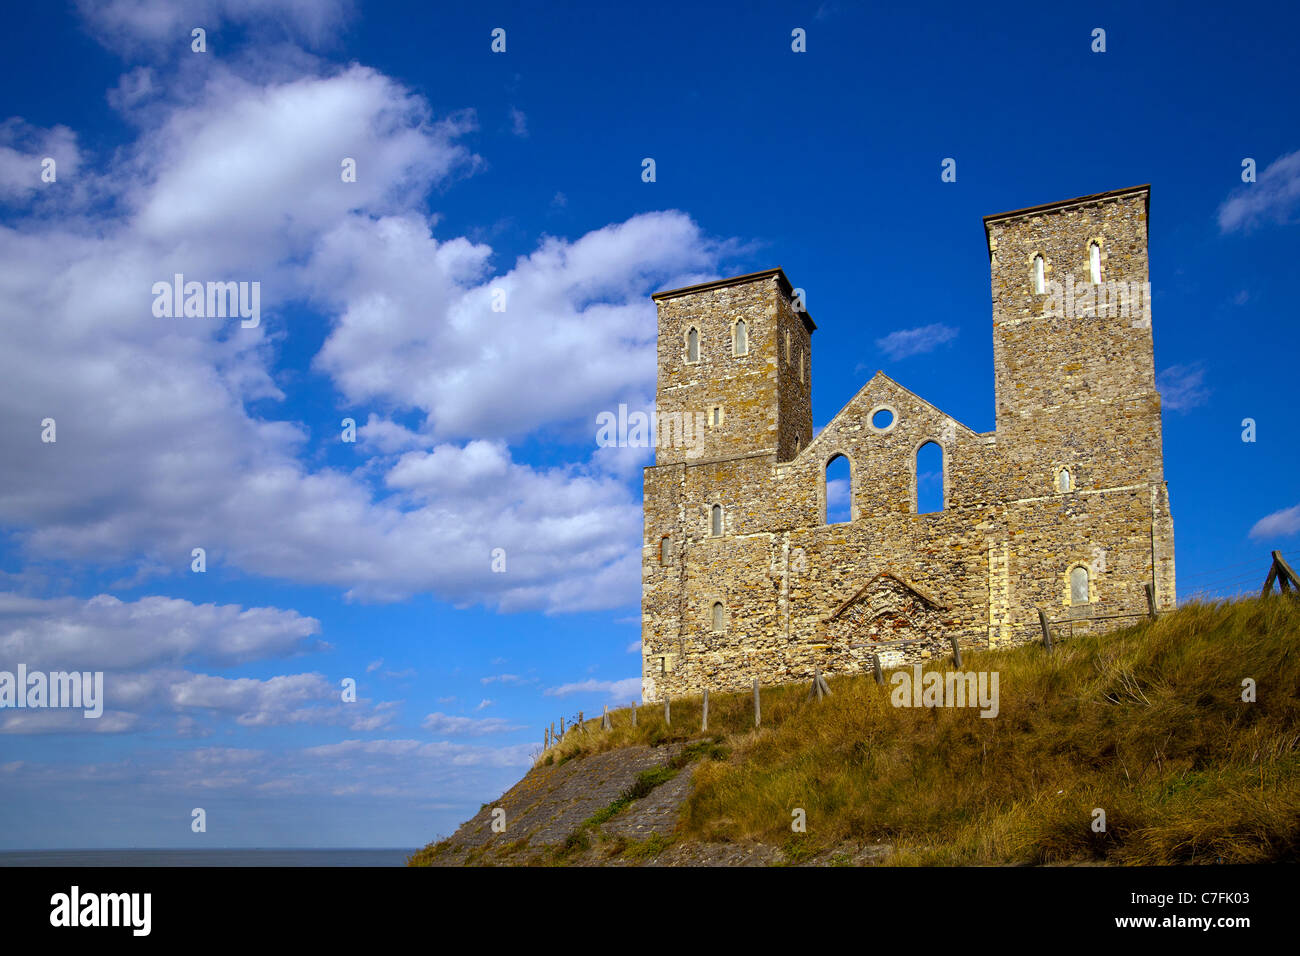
(882, 419)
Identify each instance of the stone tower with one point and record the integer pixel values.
(1073, 349)
(1072, 357)
(735, 354)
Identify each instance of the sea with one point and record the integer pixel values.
(231, 857)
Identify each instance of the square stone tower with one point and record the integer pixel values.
(734, 354)
(1074, 374)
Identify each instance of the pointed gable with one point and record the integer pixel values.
(887, 608)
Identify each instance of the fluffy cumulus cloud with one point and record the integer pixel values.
(159, 449)
(104, 633)
(32, 158)
(565, 333)
(141, 647)
(179, 433)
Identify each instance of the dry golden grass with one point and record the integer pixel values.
(1146, 723)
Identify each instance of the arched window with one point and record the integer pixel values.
(693, 345)
(1038, 275)
(1079, 585)
(715, 525)
(929, 478)
(839, 490)
(1064, 480)
(798, 358)
(742, 338)
(787, 346)
(663, 549)
(1094, 261)
(717, 616)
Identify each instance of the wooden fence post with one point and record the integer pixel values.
(1047, 631)
(604, 721)
(704, 725)
(956, 651)
(1151, 599)
(561, 726)
(757, 715)
(668, 715)
(819, 687)
(877, 669)
(1281, 572)
(633, 713)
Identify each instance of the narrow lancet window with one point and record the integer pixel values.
(838, 490)
(929, 478)
(1038, 275)
(693, 346)
(1094, 262)
(1079, 586)
(715, 525)
(742, 338)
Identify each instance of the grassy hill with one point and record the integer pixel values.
(1146, 723)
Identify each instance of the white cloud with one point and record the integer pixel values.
(1275, 195)
(104, 633)
(448, 724)
(518, 123)
(23, 150)
(837, 492)
(617, 690)
(1279, 524)
(634, 647)
(904, 343)
(161, 697)
(163, 26)
(256, 170)
(229, 183)
(409, 751)
(1182, 387)
(417, 326)
(64, 721)
(278, 700)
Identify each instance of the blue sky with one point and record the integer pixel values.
(521, 171)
